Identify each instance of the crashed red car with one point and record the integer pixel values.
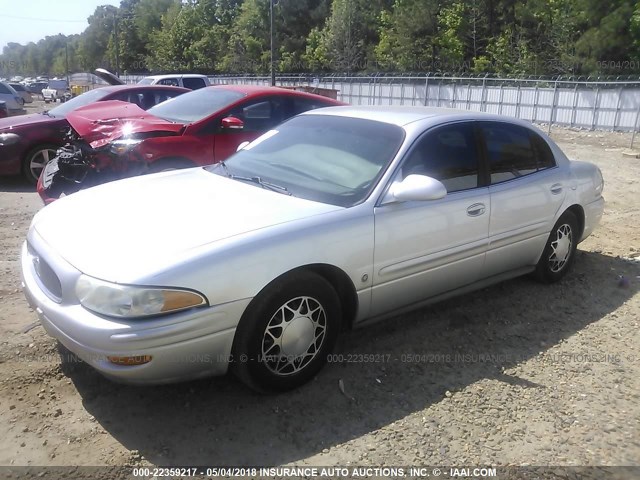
(28, 142)
(198, 128)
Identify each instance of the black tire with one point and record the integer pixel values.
(554, 265)
(259, 358)
(167, 164)
(30, 173)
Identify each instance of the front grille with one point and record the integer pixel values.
(46, 275)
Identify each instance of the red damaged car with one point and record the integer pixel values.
(28, 142)
(114, 140)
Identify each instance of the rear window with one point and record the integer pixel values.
(543, 152)
(194, 106)
(193, 83)
(509, 150)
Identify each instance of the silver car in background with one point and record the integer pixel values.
(339, 217)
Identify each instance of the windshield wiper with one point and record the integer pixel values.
(263, 183)
(255, 179)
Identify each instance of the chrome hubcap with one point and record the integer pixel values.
(294, 336)
(560, 248)
(39, 160)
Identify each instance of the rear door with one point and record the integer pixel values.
(526, 192)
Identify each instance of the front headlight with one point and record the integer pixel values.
(120, 147)
(125, 301)
(7, 139)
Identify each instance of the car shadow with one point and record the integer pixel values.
(458, 342)
(16, 183)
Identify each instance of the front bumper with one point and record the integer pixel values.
(183, 346)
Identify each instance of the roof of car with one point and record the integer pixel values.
(255, 90)
(174, 75)
(404, 115)
(135, 86)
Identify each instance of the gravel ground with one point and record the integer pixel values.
(516, 374)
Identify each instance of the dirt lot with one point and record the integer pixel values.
(517, 374)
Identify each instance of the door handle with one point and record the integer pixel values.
(556, 188)
(475, 209)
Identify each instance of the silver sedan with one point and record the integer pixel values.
(339, 217)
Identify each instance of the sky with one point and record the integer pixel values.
(24, 21)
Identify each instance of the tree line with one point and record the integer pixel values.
(505, 37)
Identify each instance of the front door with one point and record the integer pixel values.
(258, 116)
(424, 248)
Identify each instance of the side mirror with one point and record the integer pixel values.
(417, 188)
(232, 123)
(242, 145)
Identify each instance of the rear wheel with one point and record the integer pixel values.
(36, 159)
(560, 251)
(286, 333)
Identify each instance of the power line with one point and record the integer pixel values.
(42, 19)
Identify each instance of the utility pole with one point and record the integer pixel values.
(273, 71)
(117, 43)
(66, 60)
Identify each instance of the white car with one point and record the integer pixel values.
(338, 217)
(11, 98)
(192, 81)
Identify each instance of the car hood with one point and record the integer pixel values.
(128, 230)
(101, 122)
(25, 120)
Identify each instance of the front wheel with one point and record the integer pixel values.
(560, 249)
(286, 333)
(35, 161)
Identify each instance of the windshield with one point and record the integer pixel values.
(193, 106)
(79, 101)
(146, 81)
(328, 159)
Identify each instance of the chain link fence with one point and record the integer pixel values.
(580, 103)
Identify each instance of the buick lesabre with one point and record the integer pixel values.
(336, 218)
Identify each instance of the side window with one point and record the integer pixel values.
(448, 154)
(259, 115)
(543, 152)
(193, 83)
(169, 81)
(159, 97)
(509, 151)
(123, 97)
(5, 90)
